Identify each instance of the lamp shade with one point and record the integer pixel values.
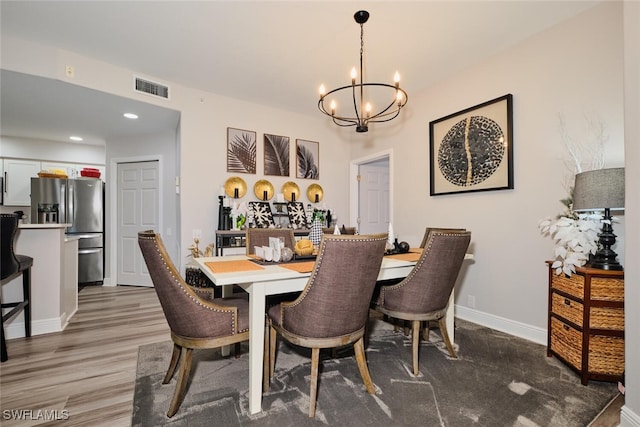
(599, 189)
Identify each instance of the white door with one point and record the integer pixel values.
(373, 197)
(138, 210)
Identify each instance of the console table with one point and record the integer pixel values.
(586, 322)
(237, 238)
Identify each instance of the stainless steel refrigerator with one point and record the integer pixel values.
(79, 202)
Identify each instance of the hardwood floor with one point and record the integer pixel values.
(87, 372)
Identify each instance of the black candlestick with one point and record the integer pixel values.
(221, 213)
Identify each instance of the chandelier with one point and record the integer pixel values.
(363, 114)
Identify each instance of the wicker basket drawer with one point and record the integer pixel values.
(573, 285)
(567, 308)
(606, 355)
(607, 289)
(606, 318)
(566, 342)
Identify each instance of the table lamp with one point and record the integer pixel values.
(597, 190)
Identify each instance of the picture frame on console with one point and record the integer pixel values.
(472, 150)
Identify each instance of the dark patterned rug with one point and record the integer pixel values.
(497, 380)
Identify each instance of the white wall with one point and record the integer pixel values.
(203, 134)
(573, 69)
(630, 415)
(52, 151)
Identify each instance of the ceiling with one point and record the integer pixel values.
(268, 52)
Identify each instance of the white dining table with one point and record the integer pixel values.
(274, 279)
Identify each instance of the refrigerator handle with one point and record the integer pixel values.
(70, 201)
(5, 182)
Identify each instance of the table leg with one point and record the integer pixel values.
(256, 345)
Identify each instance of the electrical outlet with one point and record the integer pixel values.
(471, 301)
(69, 71)
(197, 234)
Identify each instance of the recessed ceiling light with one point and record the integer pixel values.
(130, 115)
(75, 138)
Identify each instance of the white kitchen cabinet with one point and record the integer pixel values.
(17, 180)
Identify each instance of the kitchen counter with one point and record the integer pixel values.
(54, 279)
(42, 226)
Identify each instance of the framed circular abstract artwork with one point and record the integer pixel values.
(472, 150)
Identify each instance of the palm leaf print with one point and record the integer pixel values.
(241, 153)
(306, 163)
(276, 155)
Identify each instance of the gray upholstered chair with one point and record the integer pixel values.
(429, 230)
(260, 237)
(333, 308)
(343, 230)
(196, 319)
(424, 294)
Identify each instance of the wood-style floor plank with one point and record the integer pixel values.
(88, 369)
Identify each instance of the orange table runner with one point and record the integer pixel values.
(300, 267)
(411, 256)
(232, 266)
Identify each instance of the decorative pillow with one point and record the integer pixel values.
(297, 214)
(262, 215)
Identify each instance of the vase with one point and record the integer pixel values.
(315, 235)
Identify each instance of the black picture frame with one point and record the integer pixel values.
(307, 159)
(241, 151)
(472, 150)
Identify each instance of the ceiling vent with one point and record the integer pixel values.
(156, 89)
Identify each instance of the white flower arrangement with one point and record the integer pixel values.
(576, 235)
(576, 238)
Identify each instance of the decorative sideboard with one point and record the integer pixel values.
(586, 322)
(237, 239)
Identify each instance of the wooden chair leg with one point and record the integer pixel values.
(273, 344)
(425, 331)
(175, 358)
(445, 336)
(415, 340)
(358, 348)
(183, 379)
(315, 360)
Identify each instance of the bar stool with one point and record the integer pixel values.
(11, 266)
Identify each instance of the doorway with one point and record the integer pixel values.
(371, 197)
(137, 194)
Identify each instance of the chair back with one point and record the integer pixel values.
(335, 301)
(9, 264)
(343, 230)
(187, 314)
(260, 237)
(429, 230)
(429, 285)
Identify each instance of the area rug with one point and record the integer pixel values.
(497, 380)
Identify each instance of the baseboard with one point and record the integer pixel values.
(518, 329)
(38, 327)
(628, 418)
